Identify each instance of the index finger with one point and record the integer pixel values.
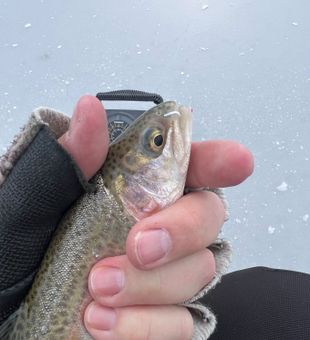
(216, 164)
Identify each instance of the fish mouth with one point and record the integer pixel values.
(172, 114)
(182, 117)
(172, 111)
(186, 123)
(179, 118)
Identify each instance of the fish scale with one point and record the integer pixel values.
(137, 179)
(72, 279)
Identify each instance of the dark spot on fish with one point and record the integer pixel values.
(32, 318)
(19, 327)
(59, 329)
(83, 267)
(22, 315)
(74, 282)
(129, 160)
(63, 313)
(65, 297)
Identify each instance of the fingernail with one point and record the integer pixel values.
(152, 245)
(107, 281)
(101, 318)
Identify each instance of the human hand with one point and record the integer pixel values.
(166, 261)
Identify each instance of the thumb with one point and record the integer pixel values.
(87, 139)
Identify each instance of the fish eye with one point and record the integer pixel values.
(158, 140)
(154, 139)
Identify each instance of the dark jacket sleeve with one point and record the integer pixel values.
(42, 185)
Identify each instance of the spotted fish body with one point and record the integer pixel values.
(145, 171)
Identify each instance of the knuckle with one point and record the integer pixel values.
(146, 329)
(186, 326)
(137, 328)
(169, 322)
(209, 262)
(217, 207)
(203, 217)
(160, 281)
(192, 218)
(153, 289)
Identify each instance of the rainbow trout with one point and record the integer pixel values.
(144, 172)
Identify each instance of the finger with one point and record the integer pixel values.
(115, 282)
(143, 323)
(87, 139)
(218, 164)
(177, 231)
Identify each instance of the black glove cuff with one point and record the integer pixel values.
(42, 185)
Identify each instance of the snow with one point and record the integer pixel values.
(282, 187)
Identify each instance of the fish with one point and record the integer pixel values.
(145, 171)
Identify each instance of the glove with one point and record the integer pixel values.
(38, 183)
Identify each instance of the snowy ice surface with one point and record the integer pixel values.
(282, 187)
(242, 65)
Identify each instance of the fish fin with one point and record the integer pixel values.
(7, 326)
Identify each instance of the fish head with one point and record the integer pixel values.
(147, 164)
